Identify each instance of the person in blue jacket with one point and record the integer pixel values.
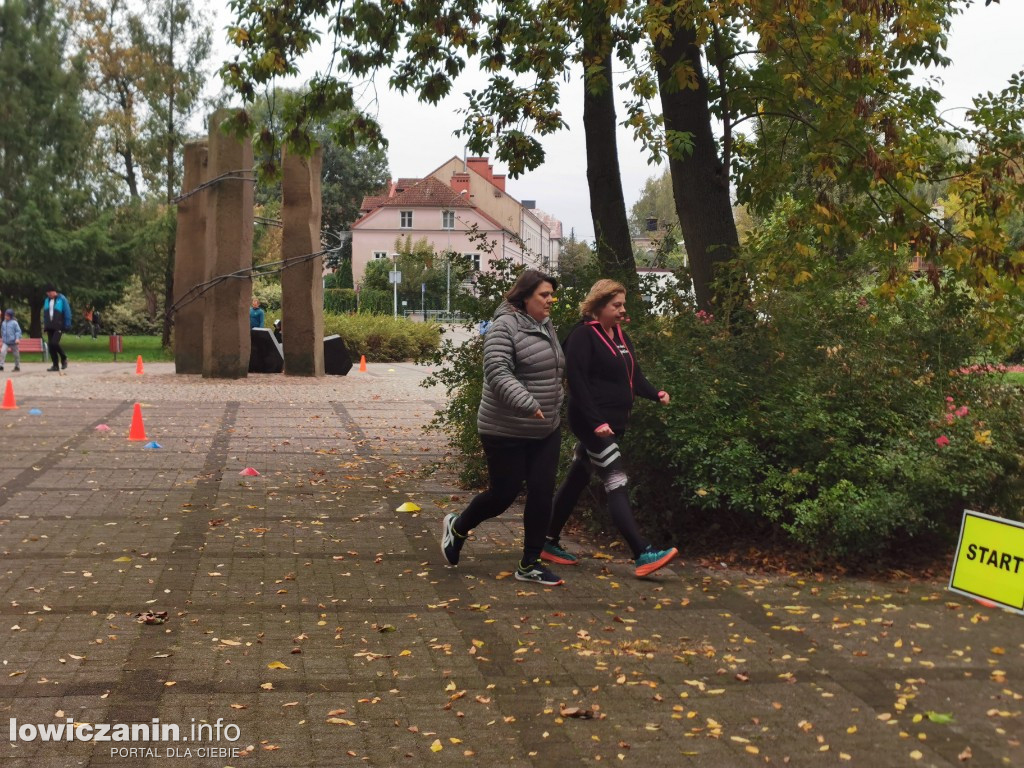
(10, 335)
(56, 320)
(257, 317)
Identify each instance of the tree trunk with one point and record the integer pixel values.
(129, 174)
(168, 320)
(150, 296)
(124, 97)
(614, 246)
(700, 184)
(172, 145)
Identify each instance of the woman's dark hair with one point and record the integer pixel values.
(526, 285)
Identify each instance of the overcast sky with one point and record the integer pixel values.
(984, 46)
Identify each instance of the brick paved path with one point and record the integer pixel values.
(404, 661)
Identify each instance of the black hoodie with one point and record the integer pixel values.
(604, 377)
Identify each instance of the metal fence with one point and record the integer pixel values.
(433, 315)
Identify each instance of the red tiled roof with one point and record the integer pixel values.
(374, 201)
(427, 193)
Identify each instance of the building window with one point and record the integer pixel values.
(474, 260)
(380, 255)
(447, 219)
(406, 220)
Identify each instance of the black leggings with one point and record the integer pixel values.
(56, 350)
(601, 455)
(510, 463)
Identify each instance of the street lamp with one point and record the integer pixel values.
(395, 277)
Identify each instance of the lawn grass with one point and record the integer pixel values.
(87, 349)
(1014, 378)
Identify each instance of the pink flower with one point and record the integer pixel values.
(949, 418)
(941, 440)
(961, 411)
(949, 399)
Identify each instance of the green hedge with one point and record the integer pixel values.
(343, 300)
(382, 338)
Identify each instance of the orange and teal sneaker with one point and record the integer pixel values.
(554, 553)
(652, 559)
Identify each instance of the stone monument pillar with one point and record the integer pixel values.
(302, 288)
(229, 213)
(190, 263)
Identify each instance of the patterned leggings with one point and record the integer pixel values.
(600, 455)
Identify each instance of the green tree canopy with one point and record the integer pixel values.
(51, 228)
(145, 73)
(815, 100)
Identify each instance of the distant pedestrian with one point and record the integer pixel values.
(10, 335)
(604, 378)
(518, 422)
(56, 320)
(257, 317)
(95, 323)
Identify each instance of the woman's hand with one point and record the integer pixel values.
(538, 414)
(663, 397)
(604, 431)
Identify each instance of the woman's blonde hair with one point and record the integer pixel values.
(600, 294)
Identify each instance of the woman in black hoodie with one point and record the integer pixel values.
(604, 378)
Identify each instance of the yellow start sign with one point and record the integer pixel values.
(989, 562)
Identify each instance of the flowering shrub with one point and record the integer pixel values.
(836, 418)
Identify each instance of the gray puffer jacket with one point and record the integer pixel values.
(523, 370)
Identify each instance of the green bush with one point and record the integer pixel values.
(382, 338)
(826, 420)
(339, 301)
(461, 375)
(268, 291)
(131, 316)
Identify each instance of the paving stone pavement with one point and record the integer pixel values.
(321, 624)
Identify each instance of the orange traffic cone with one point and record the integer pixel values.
(138, 366)
(362, 363)
(9, 403)
(137, 431)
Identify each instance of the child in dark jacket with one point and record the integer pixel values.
(604, 378)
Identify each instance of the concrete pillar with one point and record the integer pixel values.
(229, 213)
(302, 288)
(190, 263)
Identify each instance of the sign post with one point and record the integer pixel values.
(989, 561)
(395, 277)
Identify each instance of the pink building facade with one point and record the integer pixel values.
(445, 208)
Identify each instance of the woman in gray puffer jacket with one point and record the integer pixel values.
(518, 422)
